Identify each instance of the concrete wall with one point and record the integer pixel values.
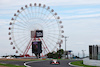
(87, 61)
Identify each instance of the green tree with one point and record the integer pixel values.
(50, 55)
(61, 51)
(56, 55)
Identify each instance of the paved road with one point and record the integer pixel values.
(63, 63)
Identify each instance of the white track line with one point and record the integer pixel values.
(26, 63)
(74, 65)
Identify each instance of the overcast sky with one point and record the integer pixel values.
(81, 21)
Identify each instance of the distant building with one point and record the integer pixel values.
(94, 52)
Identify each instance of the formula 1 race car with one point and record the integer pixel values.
(54, 61)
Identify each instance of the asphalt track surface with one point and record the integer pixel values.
(63, 63)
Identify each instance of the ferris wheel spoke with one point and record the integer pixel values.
(20, 34)
(49, 18)
(50, 25)
(28, 46)
(35, 12)
(55, 47)
(46, 16)
(53, 33)
(51, 39)
(26, 14)
(36, 16)
(44, 13)
(51, 36)
(22, 40)
(44, 48)
(31, 11)
(26, 21)
(20, 37)
(41, 12)
(23, 20)
(47, 23)
(53, 21)
(32, 27)
(50, 42)
(30, 24)
(47, 44)
(22, 23)
(20, 26)
(23, 16)
(22, 44)
(19, 49)
(38, 11)
(52, 30)
(17, 32)
(21, 29)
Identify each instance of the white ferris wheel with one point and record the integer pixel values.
(35, 17)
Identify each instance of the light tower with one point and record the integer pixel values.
(83, 53)
(65, 46)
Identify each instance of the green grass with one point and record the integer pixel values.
(10, 65)
(80, 63)
(23, 60)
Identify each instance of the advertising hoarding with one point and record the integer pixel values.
(39, 33)
(37, 47)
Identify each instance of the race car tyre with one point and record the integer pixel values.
(58, 62)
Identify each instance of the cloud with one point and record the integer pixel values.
(4, 22)
(7, 12)
(82, 32)
(50, 2)
(81, 16)
(97, 40)
(81, 11)
(90, 11)
(9, 7)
